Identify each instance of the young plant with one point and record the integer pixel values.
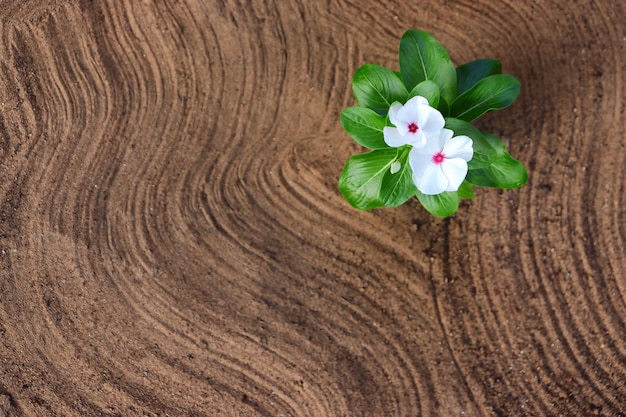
(416, 122)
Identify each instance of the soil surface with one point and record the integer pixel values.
(173, 242)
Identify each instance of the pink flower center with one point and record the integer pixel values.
(438, 158)
(413, 128)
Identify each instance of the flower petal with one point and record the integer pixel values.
(393, 113)
(455, 171)
(430, 120)
(433, 145)
(415, 102)
(419, 100)
(419, 161)
(417, 139)
(393, 137)
(409, 112)
(459, 147)
(445, 136)
(433, 181)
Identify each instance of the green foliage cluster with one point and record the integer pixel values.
(462, 94)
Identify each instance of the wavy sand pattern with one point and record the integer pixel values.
(173, 241)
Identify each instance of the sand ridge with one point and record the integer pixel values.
(172, 240)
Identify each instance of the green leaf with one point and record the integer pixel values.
(377, 87)
(365, 126)
(443, 107)
(491, 93)
(440, 205)
(423, 58)
(429, 90)
(503, 172)
(361, 179)
(468, 75)
(484, 152)
(466, 191)
(397, 185)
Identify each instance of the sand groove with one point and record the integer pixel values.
(173, 243)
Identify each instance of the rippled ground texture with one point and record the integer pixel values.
(173, 241)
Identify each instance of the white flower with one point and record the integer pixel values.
(414, 123)
(441, 164)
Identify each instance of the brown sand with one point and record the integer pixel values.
(173, 242)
